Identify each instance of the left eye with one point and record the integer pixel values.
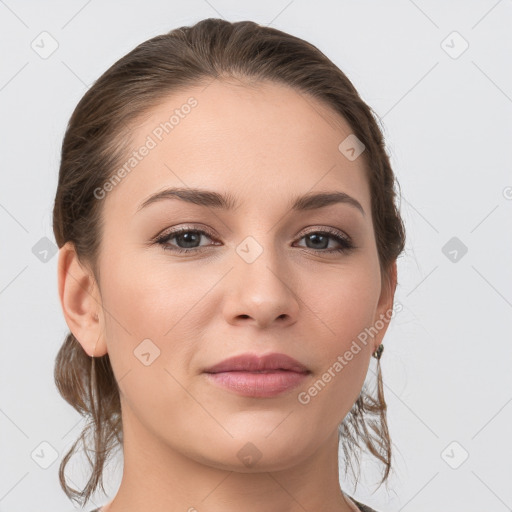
(319, 237)
(189, 238)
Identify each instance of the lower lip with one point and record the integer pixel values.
(258, 385)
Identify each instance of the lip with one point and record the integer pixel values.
(255, 362)
(255, 376)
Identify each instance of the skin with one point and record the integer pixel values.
(264, 144)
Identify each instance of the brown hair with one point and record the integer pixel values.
(96, 138)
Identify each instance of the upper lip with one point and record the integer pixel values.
(255, 362)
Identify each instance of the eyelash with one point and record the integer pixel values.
(346, 244)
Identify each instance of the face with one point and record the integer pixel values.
(254, 276)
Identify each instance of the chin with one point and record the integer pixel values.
(255, 454)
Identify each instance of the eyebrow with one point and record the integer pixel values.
(227, 202)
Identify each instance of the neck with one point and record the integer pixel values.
(159, 478)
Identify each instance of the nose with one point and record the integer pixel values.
(261, 292)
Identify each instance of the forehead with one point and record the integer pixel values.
(256, 141)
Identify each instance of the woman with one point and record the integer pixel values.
(228, 239)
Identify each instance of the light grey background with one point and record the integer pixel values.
(447, 119)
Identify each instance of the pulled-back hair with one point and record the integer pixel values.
(95, 144)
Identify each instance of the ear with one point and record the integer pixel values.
(385, 305)
(80, 301)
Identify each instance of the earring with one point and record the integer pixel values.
(378, 353)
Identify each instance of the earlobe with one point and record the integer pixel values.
(385, 306)
(80, 301)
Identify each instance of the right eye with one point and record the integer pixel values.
(185, 236)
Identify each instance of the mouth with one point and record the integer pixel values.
(256, 376)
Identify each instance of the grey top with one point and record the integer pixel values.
(363, 508)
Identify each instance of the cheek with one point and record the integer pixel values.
(158, 314)
(148, 297)
(344, 307)
(149, 344)
(344, 302)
